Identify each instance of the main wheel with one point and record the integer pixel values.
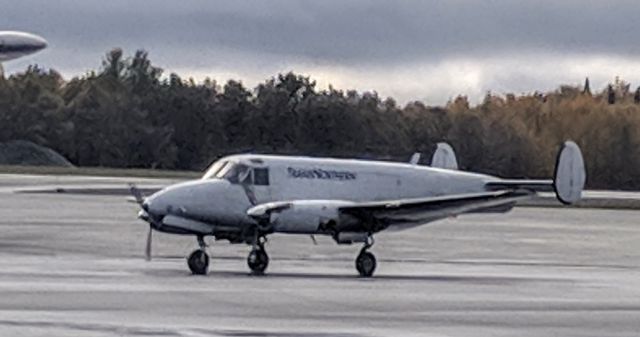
(365, 264)
(198, 262)
(258, 260)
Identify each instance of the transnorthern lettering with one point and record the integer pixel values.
(302, 173)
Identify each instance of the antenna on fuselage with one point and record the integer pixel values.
(415, 158)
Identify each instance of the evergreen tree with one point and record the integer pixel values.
(127, 114)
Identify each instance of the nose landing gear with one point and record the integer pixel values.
(198, 260)
(366, 261)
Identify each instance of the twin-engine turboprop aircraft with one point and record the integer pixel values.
(18, 44)
(244, 198)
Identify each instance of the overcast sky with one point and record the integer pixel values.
(410, 50)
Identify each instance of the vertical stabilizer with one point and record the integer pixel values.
(570, 174)
(444, 157)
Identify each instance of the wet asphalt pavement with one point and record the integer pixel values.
(72, 265)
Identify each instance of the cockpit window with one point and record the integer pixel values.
(261, 176)
(236, 173)
(215, 168)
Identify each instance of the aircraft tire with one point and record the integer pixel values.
(366, 264)
(258, 261)
(198, 262)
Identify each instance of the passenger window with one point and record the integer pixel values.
(261, 176)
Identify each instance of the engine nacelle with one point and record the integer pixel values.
(307, 217)
(347, 238)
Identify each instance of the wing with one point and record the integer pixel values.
(413, 212)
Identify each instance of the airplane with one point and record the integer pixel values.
(244, 198)
(18, 44)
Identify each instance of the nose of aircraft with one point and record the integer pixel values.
(174, 199)
(155, 204)
(145, 205)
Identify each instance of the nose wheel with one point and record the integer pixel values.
(366, 261)
(198, 260)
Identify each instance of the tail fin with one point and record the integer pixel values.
(570, 176)
(567, 183)
(444, 157)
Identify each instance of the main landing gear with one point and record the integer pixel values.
(366, 262)
(198, 261)
(258, 260)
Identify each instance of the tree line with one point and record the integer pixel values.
(126, 114)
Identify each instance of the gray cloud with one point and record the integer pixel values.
(244, 37)
(335, 31)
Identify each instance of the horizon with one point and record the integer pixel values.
(321, 84)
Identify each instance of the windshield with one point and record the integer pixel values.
(211, 172)
(235, 173)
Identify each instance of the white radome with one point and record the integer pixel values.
(15, 44)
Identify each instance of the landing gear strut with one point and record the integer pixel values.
(198, 260)
(258, 260)
(366, 262)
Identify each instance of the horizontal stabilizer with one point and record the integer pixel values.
(532, 185)
(567, 182)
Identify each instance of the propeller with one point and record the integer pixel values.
(139, 196)
(250, 194)
(147, 251)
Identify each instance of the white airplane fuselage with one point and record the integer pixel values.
(222, 199)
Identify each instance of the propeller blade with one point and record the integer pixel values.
(147, 251)
(137, 194)
(250, 195)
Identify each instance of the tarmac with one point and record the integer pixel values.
(71, 264)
